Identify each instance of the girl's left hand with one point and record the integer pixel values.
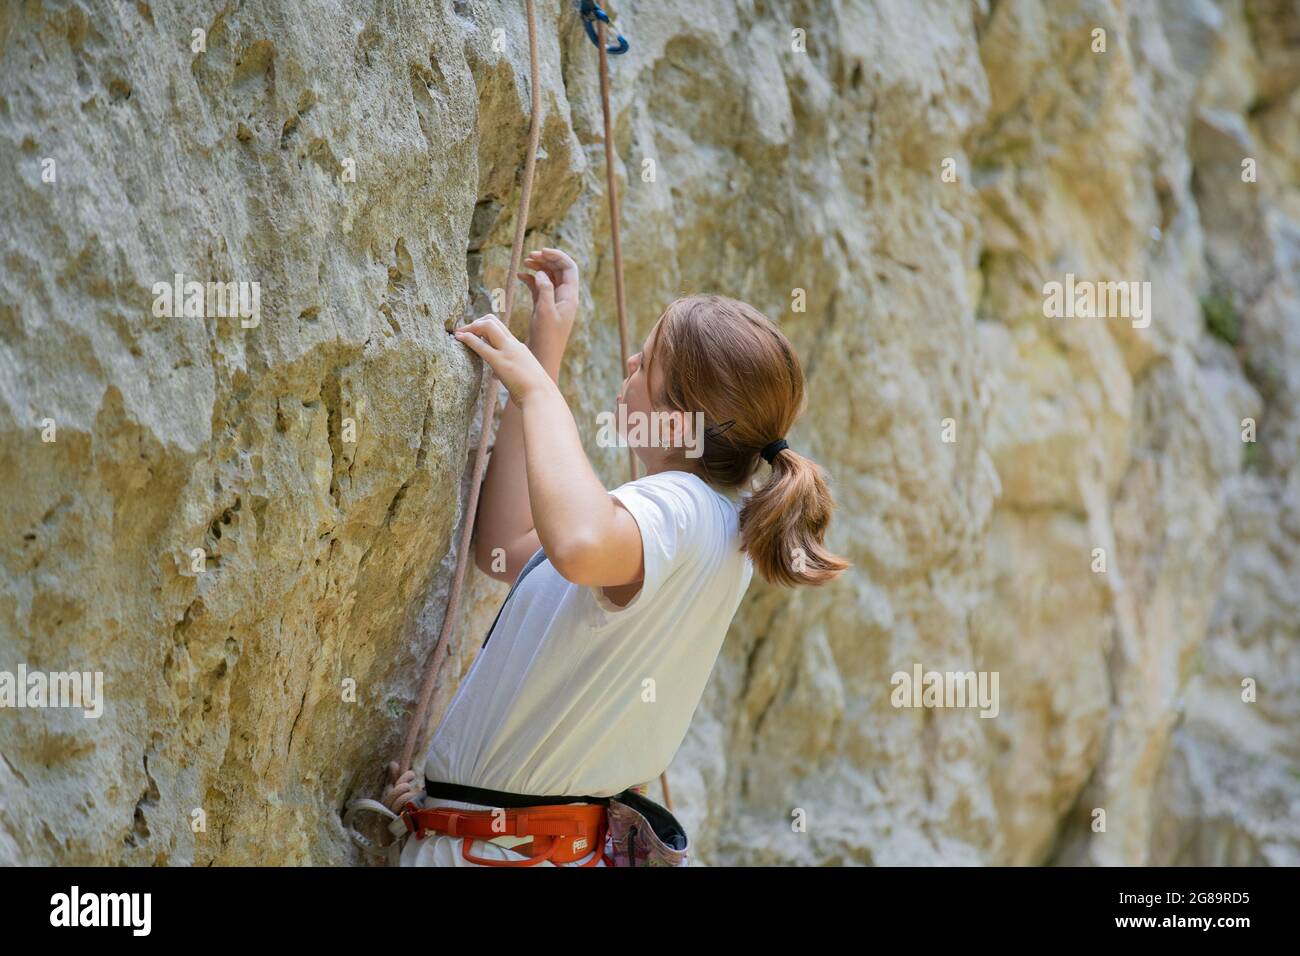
(554, 288)
(401, 790)
(511, 360)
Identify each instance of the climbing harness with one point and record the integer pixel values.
(388, 852)
(630, 826)
(560, 834)
(627, 829)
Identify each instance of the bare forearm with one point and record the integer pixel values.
(510, 504)
(505, 514)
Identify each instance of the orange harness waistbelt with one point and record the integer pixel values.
(563, 833)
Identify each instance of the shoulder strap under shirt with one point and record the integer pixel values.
(538, 557)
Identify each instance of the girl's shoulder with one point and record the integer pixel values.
(697, 507)
(685, 485)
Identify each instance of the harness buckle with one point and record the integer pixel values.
(409, 816)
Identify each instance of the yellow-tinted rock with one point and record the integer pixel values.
(919, 182)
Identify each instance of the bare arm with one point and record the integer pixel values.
(505, 516)
(587, 536)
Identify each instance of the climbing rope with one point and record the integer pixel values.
(595, 21)
(487, 411)
(597, 36)
(620, 298)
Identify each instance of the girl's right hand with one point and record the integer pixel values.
(519, 368)
(555, 296)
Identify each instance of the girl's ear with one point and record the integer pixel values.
(678, 430)
(672, 428)
(691, 437)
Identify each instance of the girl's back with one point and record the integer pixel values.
(574, 695)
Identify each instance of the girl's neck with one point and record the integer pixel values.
(659, 467)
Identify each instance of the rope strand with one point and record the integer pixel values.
(611, 189)
(620, 297)
(487, 411)
(487, 407)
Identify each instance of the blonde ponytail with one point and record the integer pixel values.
(724, 358)
(783, 524)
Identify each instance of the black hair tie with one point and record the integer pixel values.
(771, 449)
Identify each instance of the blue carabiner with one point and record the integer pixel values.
(591, 12)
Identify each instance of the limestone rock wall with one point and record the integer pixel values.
(359, 161)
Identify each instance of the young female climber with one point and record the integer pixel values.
(591, 673)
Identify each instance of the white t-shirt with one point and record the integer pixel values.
(560, 700)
